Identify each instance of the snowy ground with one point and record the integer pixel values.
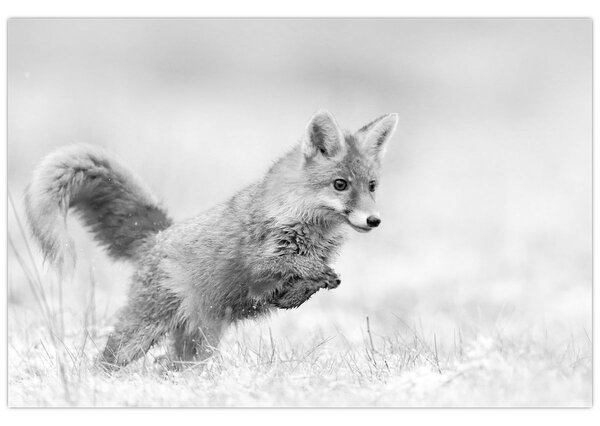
(451, 345)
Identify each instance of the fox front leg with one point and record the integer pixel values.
(295, 293)
(269, 273)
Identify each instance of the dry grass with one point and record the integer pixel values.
(254, 369)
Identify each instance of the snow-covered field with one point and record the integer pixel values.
(368, 343)
(485, 370)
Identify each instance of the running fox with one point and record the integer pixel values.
(269, 246)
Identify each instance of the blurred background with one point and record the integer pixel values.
(486, 193)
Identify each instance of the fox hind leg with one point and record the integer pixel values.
(184, 345)
(142, 322)
(192, 346)
(127, 343)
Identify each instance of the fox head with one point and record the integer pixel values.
(342, 169)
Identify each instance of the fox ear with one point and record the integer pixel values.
(377, 134)
(323, 136)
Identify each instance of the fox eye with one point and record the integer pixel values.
(340, 184)
(372, 186)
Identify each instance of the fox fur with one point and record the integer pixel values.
(269, 246)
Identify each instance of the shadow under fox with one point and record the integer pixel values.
(269, 246)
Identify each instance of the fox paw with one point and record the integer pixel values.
(331, 279)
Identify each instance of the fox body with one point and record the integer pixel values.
(269, 246)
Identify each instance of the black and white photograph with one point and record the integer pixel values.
(299, 212)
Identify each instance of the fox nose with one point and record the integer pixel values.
(373, 221)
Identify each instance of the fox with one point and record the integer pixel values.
(268, 247)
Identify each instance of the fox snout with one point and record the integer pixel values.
(363, 222)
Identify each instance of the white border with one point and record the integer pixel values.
(305, 8)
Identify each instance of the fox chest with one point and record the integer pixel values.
(304, 240)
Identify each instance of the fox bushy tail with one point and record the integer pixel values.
(110, 199)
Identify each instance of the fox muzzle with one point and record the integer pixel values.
(363, 222)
